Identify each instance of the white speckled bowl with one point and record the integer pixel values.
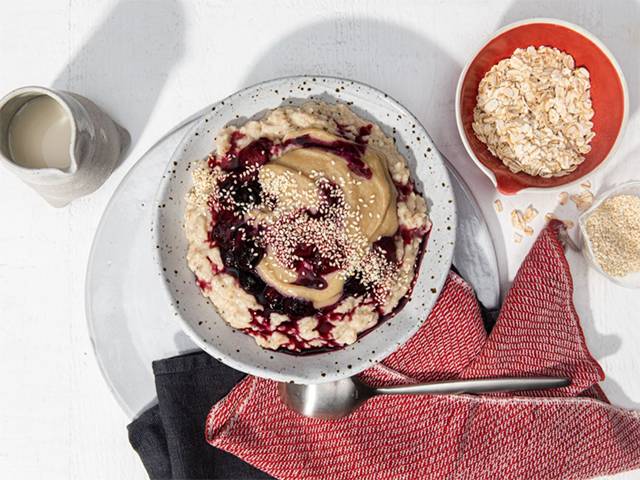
(238, 350)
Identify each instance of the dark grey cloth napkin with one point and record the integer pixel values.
(169, 437)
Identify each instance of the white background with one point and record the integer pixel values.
(150, 64)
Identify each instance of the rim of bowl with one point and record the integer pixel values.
(582, 31)
(381, 354)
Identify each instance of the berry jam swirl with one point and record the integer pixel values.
(313, 227)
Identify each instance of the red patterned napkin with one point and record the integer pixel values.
(569, 433)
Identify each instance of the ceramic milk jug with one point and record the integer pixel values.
(59, 143)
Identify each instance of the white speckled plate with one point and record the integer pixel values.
(238, 350)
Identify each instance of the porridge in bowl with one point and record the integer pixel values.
(304, 227)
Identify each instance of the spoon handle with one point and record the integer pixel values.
(481, 385)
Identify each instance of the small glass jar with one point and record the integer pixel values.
(631, 280)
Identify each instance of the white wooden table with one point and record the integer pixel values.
(152, 63)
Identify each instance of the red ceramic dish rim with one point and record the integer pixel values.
(487, 171)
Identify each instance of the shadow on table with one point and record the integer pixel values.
(401, 62)
(615, 174)
(124, 64)
(615, 23)
(184, 344)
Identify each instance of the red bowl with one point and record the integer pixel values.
(608, 94)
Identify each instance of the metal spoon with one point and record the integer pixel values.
(340, 398)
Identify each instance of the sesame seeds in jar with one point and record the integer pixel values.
(611, 230)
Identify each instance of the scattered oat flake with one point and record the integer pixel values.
(498, 205)
(586, 184)
(528, 231)
(517, 220)
(583, 200)
(563, 198)
(530, 213)
(517, 238)
(550, 216)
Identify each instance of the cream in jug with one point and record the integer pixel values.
(40, 135)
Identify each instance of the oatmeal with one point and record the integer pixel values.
(534, 112)
(304, 227)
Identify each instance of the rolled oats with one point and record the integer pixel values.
(517, 220)
(534, 112)
(563, 197)
(583, 200)
(530, 213)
